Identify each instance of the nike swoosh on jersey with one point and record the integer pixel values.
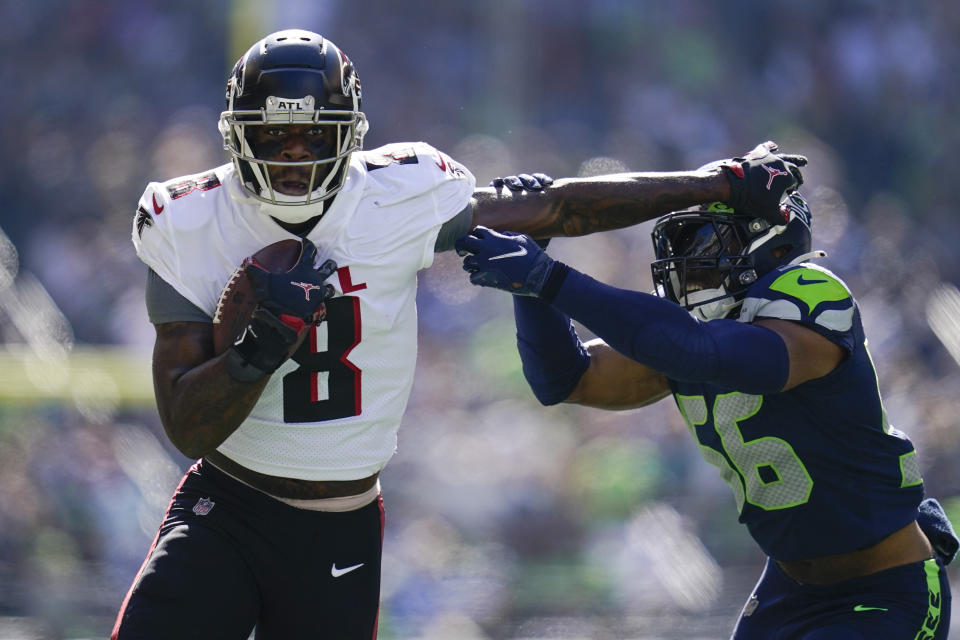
(522, 251)
(801, 281)
(157, 207)
(336, 573)
(861, 607)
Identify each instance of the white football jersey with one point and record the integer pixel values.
(332, 411)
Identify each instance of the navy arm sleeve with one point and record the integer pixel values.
(665, 337)
(553, 357)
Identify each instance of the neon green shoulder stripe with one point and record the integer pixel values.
(811, 286)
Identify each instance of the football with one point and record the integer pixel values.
(236, 301)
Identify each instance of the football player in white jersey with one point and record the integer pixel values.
(279, 524)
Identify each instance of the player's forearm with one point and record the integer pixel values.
(552, 355)
(588, 205)
(203, 406)
(664, 337)
(579, 206)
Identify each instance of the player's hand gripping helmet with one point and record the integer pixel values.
(707, 258)
(293, 78)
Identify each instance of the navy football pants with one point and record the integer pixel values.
(228, 558)
(911, 602)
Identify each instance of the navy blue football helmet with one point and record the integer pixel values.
(707, 257)
(293, 77)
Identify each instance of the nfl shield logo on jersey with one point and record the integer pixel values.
(203, 506)
(751, 606)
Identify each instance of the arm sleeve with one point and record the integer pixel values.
(456, 227)
(165, 304)
(665, 337)
(553, 357)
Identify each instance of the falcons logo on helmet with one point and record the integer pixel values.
(348, 77)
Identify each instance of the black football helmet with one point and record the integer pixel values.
(707, 257)
(293, 77)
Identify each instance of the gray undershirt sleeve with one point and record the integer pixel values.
(165, 304)
(457, 226)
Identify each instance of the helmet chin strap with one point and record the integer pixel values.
(293, 215)
(288, 214)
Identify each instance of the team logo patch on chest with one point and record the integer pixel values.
(203, 506)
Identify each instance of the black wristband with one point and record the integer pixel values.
(265, 344)
(554, 281)
(240, 369)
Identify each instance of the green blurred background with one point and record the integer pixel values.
(504, 519)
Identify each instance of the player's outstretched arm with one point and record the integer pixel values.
(656, 333)
(560, 368)
(579, 206)
(755, 183)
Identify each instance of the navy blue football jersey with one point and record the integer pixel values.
(816, 470)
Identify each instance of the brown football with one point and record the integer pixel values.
(236, 301)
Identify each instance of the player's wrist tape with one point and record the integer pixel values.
(663, 336)
(262, 348)
(552, 355)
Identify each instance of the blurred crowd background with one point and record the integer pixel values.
(504, 519)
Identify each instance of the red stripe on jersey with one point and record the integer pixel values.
(356, 340)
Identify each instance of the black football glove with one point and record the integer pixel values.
(288, 305)
(523, 182)
(296, 296)
(265, 344)
(759, 180)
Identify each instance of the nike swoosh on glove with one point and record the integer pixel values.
(513, 262)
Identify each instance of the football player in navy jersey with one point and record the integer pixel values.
(765, 355)
(279, 524)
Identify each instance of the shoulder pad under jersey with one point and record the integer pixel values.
(404, 171)
(169, 210)
(177, 203)
(805, 293)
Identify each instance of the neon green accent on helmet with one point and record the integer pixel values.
(719, 207)
(811, 287)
